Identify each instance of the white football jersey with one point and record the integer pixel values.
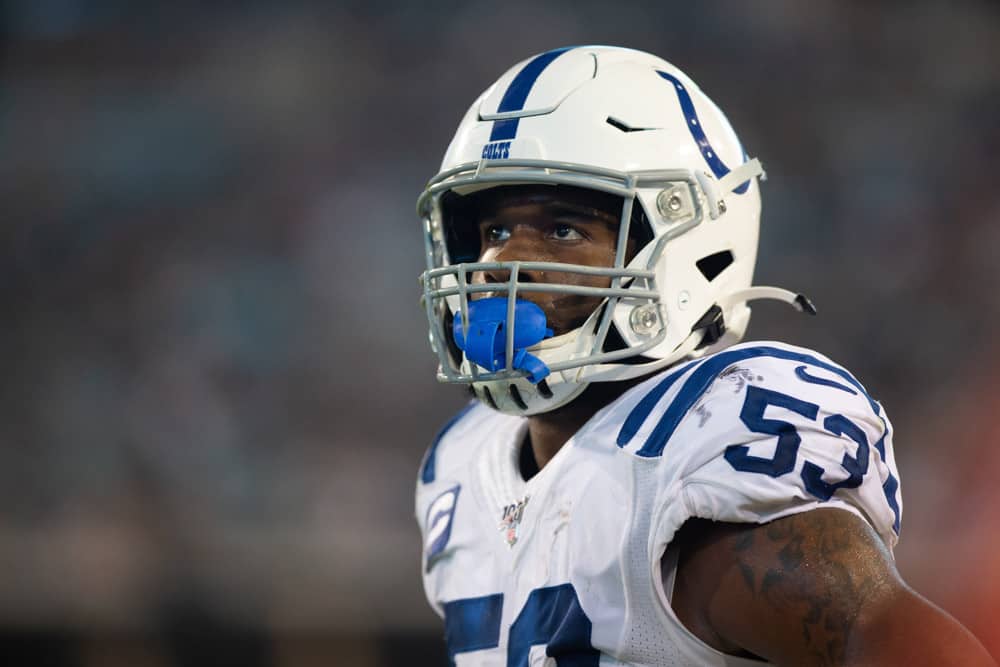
(565, 568)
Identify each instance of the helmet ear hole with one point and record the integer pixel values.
(712, 265)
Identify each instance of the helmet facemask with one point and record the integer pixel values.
(596, 348)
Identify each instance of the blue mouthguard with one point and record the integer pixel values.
(487, 339)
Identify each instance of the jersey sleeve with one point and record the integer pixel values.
(439, 488)
(770, 435)
(441, 461)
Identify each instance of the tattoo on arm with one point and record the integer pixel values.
(817, 568)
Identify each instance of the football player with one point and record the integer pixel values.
(631, 485)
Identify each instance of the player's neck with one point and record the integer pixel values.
(546, 436)
(549, 431)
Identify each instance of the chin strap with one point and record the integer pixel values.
(711, 326)
(613, 372)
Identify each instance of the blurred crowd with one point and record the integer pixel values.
(217, 386)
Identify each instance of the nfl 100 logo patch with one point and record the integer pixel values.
(511, 520)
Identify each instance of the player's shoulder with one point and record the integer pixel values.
(763, 430)
(457, 443)
(651, 414)
(776, 369)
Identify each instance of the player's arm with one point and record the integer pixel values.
(816, 588)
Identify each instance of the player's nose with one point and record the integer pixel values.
(502, 275)
(518, 248)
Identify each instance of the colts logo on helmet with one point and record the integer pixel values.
(498, 150)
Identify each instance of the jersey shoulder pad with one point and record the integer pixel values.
(763, 430)
(444, 472)
(455, 443)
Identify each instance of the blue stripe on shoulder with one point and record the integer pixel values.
(517, 93)
(891, 484)
(703, 376)
(642, 410)
(889, 488)
(803, 374)
(427, 470)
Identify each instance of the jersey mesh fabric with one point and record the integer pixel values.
(645, 641)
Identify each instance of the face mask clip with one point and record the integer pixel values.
(487, 339)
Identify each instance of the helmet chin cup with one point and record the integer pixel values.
(522, 395)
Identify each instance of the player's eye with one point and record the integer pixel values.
(497, 234)
(566, 233)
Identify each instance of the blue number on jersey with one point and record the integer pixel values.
(472, 624)
(783, 461)
(701, 378)
(856, 466)
(551, 616)
(752, 415)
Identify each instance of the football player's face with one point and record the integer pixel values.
(542, 224)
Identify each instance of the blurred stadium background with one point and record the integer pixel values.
(216, 381)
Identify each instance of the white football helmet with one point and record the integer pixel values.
(622, 122)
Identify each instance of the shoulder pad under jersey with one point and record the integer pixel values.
(764, 430)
